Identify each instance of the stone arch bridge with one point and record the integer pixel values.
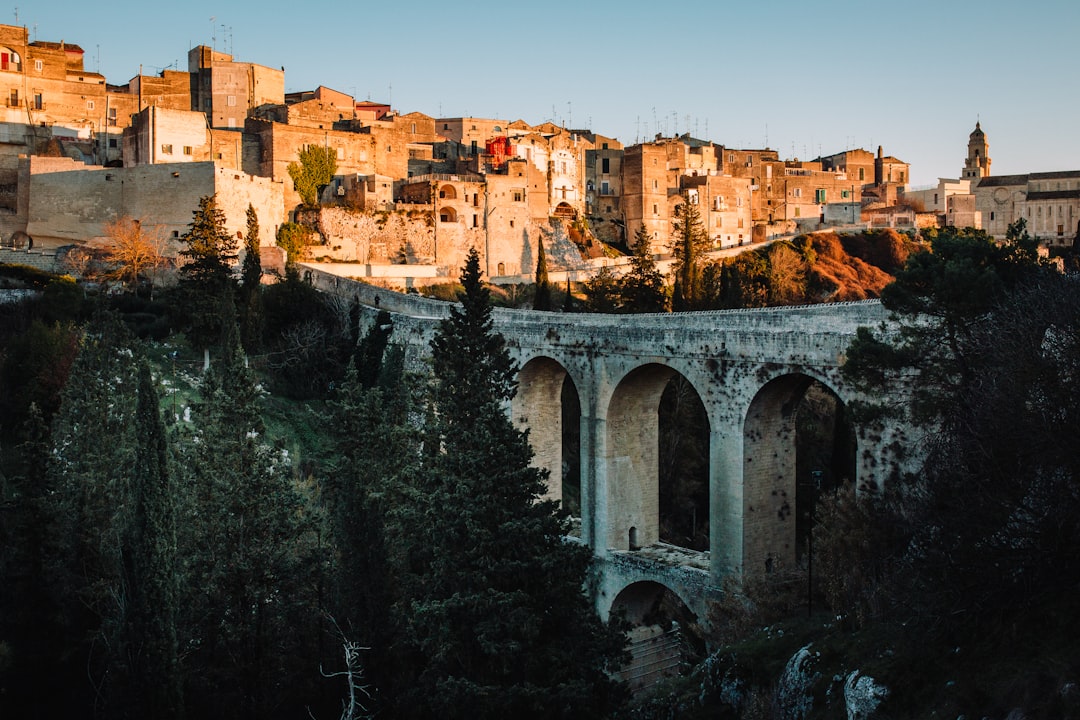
(749, 369)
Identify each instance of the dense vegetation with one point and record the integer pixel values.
(955, 586)
(296, 525)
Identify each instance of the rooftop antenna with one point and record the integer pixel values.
(766, 135)
(97, 59)
(637, 130)
(569, 114)
(213, 37)
(656, 123)
(16, 15)
(390, 94)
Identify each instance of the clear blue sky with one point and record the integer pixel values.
(809, 76)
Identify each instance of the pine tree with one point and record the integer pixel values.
(690, 243)
(206, 279)
(643, 286)
(542, 301)
(498, 617)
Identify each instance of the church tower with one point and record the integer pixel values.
(977, 165)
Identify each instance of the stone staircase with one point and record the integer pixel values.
(655, 654)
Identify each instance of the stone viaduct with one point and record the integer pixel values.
(749, 369)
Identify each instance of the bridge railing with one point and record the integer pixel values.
(854, 312)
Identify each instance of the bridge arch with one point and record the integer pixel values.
(797, 442)
(545, 390)
(648, 602)
(632, 461)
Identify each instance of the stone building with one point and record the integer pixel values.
(229, 91)
(63, 201)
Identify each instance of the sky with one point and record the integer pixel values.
(804, 78)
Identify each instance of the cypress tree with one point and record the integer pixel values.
(206, 278)
(542, 301)
(498, 617)
(251, 285)
(151, 566)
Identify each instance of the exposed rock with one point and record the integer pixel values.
(795, 690)
(862, 696)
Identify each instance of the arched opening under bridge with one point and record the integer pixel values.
(798, 444)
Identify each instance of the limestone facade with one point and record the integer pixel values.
(66, 201)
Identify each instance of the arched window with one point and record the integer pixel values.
(10, 60)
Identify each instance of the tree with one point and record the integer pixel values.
(602, 291)
(497, 615)
(206, 279)
(940, 298)
(293, 238)
(251, 285)
(314, 170)
(252, 541)
(542, 301)
(132, 249)
(151, 566)
(690, 243)
(643, 286)
(787, 275)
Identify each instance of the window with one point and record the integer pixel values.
(475, 220)
(389, 148)
(89, 104)
(38, 102)
(231, 101)
(414, 128)
(112, 142)
(187, 149)
(166, 149)
(473, 146)
(845, 194)
(607, 208)
(655, 185)
(511, 223)
(605, 189)
(819, 195)
(604, 146)
(519, 195)
(655, 210)
(605, 165)
(991, 214)
(901, 176)
(232, 122)
(797, 209)
(862, 173)
(797, 192)
(446, 126)
(112, 117)
(37, 65)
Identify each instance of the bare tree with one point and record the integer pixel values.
(133, 249)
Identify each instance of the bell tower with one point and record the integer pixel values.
(977, 165)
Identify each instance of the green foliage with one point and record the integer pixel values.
(643, 285)
(206, 278)
(497, 616)
(294, 238)
(690, 242)
(307, 338)
(34, 367)
(314, 170)
(251, 286)
(542, 299)
(941, 298)
(254, 554)
(602, 292)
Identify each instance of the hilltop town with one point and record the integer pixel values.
(77, 152)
